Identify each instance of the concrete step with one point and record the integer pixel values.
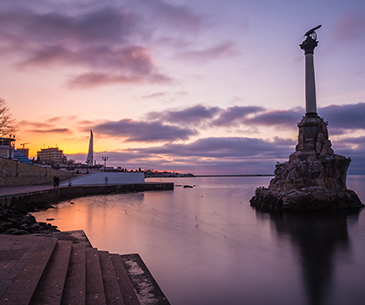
(125, 285)
(74, 290)
(14, 252)
(113, 295)
(50, 288)
(146, 287)
(26, 273)
(44, 270)
(95, 294)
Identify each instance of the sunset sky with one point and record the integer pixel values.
(207, 87)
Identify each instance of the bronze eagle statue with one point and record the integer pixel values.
(312, 31)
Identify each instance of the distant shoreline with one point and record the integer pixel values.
(264, 175)
(198, 176)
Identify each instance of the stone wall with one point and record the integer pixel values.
(42, 199)
(14, 172)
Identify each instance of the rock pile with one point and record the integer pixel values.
(313, 178)
(16, 220)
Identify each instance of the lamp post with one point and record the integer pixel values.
(105, 158)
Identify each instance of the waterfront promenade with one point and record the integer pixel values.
(11, 195)
(14, 190)
(63, 267)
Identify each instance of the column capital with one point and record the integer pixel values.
(308, 45)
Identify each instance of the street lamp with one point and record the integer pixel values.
(105, 158)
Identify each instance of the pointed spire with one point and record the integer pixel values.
(90, 155)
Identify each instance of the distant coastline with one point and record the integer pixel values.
(197, 176)
(257, 175)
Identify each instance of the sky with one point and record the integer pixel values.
(206, 87)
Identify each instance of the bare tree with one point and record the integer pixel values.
(7, 122)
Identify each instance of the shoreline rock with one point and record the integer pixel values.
(17, 220)
(307, 198)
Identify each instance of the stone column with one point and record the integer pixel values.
(310, 87)
(311, 125)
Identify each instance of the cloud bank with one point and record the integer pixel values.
(177, 134)
(100, 40)
(143, 131)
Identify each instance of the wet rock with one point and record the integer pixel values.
(43, 205)
(16, 220)
(14, 231)
(29, 219)
(313, 178)
(313, 197)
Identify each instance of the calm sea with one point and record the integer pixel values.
(206, 245)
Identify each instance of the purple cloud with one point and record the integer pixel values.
(276, 117)
(98, 41)
(220, 50)
(354, 148)
(190, 116)
(169, 16)
(351, 27)
(102, 24)
(144, 131)
(234, 115)
(130, 59)
(346, 116)
(53, 130)
(340, 117)
(35, 124)
(93, 79)
(206, 156)
(222, 156)
(153, 95)
(61, 118)
(227, 147)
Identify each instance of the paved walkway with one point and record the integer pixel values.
(49, 270)
(13, 190)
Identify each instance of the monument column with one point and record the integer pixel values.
(311, 128)
(314, 177)
(308, 46)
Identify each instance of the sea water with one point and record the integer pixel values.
(206, 245)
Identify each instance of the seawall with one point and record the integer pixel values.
(13, 172)
(64, 193)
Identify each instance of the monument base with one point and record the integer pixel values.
(313, 178)
(307, 198)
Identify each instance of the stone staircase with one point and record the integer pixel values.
(47, 270)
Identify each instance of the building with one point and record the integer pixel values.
(24, 151)
(6, 146)
(51, 155)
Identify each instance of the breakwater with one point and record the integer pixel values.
(64, 193)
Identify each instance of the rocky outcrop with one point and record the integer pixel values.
(311, 197)
(313, 178)
(16, 220)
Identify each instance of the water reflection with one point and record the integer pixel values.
(317, 237)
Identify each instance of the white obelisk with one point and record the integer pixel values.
(90, 155)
